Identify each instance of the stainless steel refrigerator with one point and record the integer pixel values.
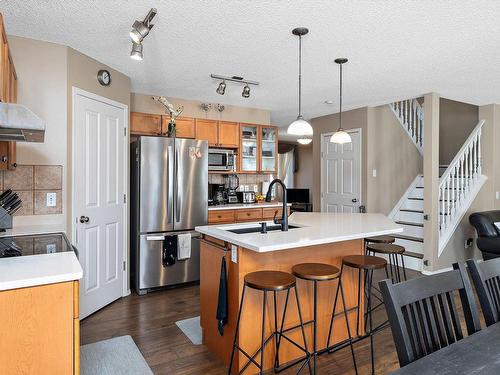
(169, 196)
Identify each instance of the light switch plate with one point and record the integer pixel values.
(374, 173)
(234, 253)
(497, 195)
(51, 199)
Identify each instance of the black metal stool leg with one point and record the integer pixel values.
(277, 357)
(347, 325)
(315, 324)
(301, 321)
(397, 268)
(264, 302)
(371, 320)
(334, 308)
(237, 330)
(403, 264)
(359, 302)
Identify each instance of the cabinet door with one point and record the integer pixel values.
(229, 134)
(184, 127)
(249, 149)
(145, 124)
(269, 149)
(206, 130)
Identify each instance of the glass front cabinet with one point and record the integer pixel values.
(259, 149)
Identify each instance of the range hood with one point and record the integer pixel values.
(18, 123)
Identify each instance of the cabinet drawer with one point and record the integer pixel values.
(268, 213)
(252, 214)
(221, 216)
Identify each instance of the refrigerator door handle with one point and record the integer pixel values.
(170, 176)
(178, 190)
(155, 238)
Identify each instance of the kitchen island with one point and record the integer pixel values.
(313, 237)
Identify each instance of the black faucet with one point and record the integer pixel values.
(284, 219)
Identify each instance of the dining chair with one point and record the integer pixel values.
(423, 313)
(486, 279)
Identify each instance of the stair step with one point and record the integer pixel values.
(410, 210)
(408, 238)
(416, 199)
(412, 254)
(409, 223)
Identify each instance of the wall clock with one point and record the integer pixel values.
(104, 77)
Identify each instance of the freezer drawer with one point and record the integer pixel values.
(154, 271)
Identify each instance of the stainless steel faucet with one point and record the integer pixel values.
(284, 219)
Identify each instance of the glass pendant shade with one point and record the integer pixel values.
(300, 127)
(304, 141)
(340, 137)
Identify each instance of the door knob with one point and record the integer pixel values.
(84, 219)
(354, 200)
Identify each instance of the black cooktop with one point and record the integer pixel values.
(15, 246)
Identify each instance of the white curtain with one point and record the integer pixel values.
(285, 170)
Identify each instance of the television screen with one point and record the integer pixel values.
(297, 195)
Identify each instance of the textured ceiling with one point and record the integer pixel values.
(397, 49)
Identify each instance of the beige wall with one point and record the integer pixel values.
(485, 199)
(42, 80)
(456, 122)
(354, 119)
(144, 103)
(392, 153)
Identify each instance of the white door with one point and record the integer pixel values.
(99, 198)
(341, 174)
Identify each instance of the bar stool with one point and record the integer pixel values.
(270, 281)
(379, 239)
(367, 264)
(317, 272)
(393, 252)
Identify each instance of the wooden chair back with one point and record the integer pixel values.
(423, 313)
(486, 279)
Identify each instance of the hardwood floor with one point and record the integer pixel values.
(150, 320)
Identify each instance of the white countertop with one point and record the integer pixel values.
(33, 270)
(243, 206)
(315, 229)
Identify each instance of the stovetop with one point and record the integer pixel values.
(34, 245)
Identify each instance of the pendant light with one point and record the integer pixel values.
(340, 136)
(304, 141)
(300, 126)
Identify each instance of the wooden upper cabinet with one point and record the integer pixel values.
(145, 124)
(207, 130)
(184, 127)
(4, 66)
(268, 149)
(249, 153)
(229, 134)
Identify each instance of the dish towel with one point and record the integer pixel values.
(222, 300)
(183, 246)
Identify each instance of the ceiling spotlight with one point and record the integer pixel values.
(304, 141)
(221, 89)
(246, 91)
(136, 53)
(328, 101)
(140, 29)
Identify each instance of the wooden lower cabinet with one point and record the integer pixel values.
(252, 214)
(243, 215)
(40, 330)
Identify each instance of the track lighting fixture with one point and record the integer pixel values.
(136, 53)
(221, 89)
(246, 91)
(140, 29)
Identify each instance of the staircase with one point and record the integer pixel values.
(459, 183)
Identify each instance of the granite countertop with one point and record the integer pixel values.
(246, 206)
(314, 228)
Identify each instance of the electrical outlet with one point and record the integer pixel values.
(234, 253)
(468, 243)
(51, 248)
(51, 199)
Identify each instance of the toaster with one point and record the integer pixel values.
(246, 196)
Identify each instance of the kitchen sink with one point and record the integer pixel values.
(257, 229)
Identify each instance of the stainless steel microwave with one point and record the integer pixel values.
(221, 159)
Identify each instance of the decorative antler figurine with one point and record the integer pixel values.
(173, 113)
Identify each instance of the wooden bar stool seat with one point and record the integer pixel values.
(380, 239)
(385, 248)
(315, 271)
(270, 280)
(393, 252)
(364, 262)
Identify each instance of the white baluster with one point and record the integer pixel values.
(442, 209)
(453, 190)
(479, 171)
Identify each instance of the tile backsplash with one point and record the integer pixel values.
(32, 183)
(245, 179)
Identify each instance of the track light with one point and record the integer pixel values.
(140, 29)
(221, 89)
(246, 91)
(136, 53)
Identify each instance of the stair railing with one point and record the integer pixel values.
(457, 183)
(411, 117)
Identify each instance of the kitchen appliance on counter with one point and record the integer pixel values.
(16, 246)
(246, 196)
(217, 194)
(10, 203)
(169, 190)
(231, 182)
(222, 160)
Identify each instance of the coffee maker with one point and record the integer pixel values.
(231, 182)
(217, 193)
